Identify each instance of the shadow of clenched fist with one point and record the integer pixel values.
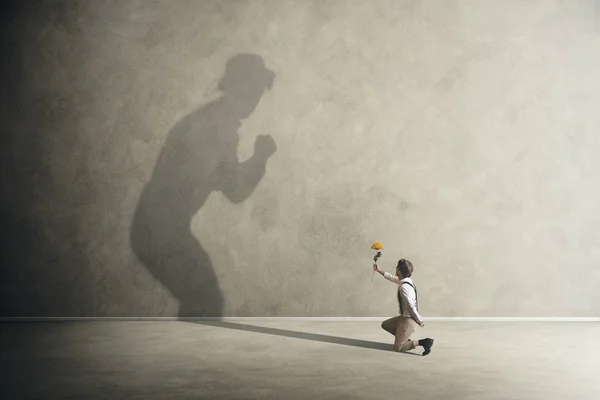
(264, 146)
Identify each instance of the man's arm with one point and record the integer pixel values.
(387, 275)
(409, 295)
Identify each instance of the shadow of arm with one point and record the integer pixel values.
(239, 181)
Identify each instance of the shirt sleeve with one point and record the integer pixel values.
(409, 294)
(391, 277)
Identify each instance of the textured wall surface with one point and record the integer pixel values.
(238, 158)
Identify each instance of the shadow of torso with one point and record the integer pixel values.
(191, 165)
(199, 157)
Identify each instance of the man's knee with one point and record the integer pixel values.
(406, 346)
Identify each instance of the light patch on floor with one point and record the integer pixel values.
(297, 360)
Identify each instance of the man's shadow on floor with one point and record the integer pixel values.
(367, 344)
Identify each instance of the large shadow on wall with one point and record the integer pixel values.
(199, 157)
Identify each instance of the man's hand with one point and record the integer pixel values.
(421, 324)
(376, 268)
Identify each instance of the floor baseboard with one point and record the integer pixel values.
(301, 319)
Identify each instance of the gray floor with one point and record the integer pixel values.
(297, 360)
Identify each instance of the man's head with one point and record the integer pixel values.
(404, 269)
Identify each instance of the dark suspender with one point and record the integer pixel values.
(400, 296)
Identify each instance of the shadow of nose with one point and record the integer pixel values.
(271, 75)
(269, 78)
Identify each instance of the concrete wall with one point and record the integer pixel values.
(148, 169)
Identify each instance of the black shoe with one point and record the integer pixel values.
(427, 345)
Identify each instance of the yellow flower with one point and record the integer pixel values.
(377, 246)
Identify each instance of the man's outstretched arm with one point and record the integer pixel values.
(386, 275)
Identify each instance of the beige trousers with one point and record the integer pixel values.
(401, 327)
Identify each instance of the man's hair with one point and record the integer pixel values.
(406, 268)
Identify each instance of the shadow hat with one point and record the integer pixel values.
(246, 71)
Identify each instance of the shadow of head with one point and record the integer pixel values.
(245, 80)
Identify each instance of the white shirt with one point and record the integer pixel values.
(408, 306)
